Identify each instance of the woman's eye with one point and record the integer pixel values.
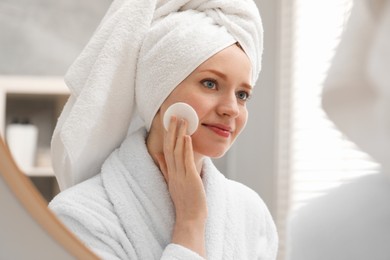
(243, 95)
(210, 84)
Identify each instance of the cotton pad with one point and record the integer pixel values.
(182, 111)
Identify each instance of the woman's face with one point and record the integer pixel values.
(218, 91)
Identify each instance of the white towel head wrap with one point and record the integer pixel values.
(141, 51)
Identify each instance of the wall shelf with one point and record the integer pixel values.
(39, 172)
(41, 100)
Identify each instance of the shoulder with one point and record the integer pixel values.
(86, 191)
(252, 207)
(86, 201)
(86, 210)
(245, 196)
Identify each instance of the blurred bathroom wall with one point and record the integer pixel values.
(43, 37)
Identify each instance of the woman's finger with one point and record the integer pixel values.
(189, 156)
(179, 148)
(169, 145)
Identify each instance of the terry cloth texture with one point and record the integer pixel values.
(126, 212)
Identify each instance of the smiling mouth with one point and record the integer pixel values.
(222, 131)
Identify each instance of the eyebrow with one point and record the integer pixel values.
(224, 77)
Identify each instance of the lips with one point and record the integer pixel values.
(220, 129)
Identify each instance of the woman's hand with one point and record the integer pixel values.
(185, 187)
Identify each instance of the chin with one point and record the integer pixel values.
(214, 153)
(217, 156)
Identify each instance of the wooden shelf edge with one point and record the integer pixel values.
(42, 85)
(36, 207)
(39, 172)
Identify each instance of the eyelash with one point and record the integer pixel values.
(248, 95)
(209, 80)
(213, 81)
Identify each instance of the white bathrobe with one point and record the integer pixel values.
(126, 212)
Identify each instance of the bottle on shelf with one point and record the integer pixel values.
(22, 137)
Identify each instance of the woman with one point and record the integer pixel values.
(155, 194)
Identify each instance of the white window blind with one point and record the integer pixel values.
(313, 156)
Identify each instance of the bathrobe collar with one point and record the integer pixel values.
(139, 192)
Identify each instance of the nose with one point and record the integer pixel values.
(228, 106)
